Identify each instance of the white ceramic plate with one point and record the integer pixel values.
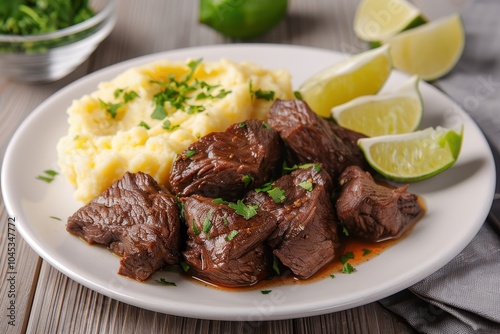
(458, 201)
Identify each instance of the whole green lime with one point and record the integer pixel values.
(242, 19)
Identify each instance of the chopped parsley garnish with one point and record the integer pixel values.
(247, 211)
(345, 231)
(47, 176)
(265, 292)
(196, 230)
(162, 281)
(264, 95)
(190, 153)
(266, 126)
(366, 251)
(195, 109)
(277, 194)
(127, 95)
(111, 108)
(247, 179)
(276, 264)
(185, 266)
(347, 268)
(259, 93)
(297, 95)
(130, 96)
(117, 92)
(346, 257)
(242, 125)
(332, 276)
(317, 167)
(55, 218)
(177, 94)
(307, 185)
(144, 125)
(219, 201)
(231, 235)
(207, 223)
(167, 125)
(265, 187)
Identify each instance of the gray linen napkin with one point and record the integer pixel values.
(464, 295)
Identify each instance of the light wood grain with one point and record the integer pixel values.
(48, 301)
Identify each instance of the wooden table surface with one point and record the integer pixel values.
(48, 301)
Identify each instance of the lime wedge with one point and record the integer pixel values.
(360, 74)
(378, 20)
(430, 50)
(393, 112)
(413, 156)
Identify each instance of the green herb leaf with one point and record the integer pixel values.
(332, 276)
(47, 176)
(117, 92)
(345, 231)
(162, 281)
(307, 185)
(167, 125)
(277, 194)
(346, 257)
(111, 108)
(247, 211)
(297, 95)
(265, 292)
(144, 125)
(55, 218)
(190, 153)
(347, 268)
(207, 223)
(185, 266)
(247, 179)
(231, 235)
(130, 96)
(264, 95)
(196, 230)
(219, 201)
(276, 265)
(193, 64)
(265, 187)
(366, 251)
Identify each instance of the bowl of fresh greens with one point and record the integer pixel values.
(43, 41)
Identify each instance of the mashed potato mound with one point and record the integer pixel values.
(142, 118)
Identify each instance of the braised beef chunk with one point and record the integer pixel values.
(224, 247)
(137, 220)
(311, 138)
(226, 164)
(306, 237)
(372, 211)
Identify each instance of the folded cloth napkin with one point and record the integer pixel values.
(464, 295)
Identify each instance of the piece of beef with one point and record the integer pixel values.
(306, 237)
(224, 247)
(310, 138)
(226, 164)
(372, 211)
(137, 220)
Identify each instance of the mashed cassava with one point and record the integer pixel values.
(141, 119)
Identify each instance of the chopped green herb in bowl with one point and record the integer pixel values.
(44, 40)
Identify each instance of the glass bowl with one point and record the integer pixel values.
(51, 56)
